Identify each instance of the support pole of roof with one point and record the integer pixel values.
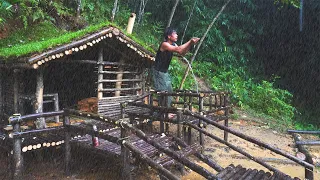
(119, 77)
(100, 75)
(38, 106)
(15, 90)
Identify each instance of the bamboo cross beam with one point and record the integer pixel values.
(303, 132)
(250, 139)
(150, 162)
(200, 170)
(36, 132)
(310, 143)
(14, 120)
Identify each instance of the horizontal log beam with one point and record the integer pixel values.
(118, 72)
(14, 120)
(118, 89)
(310, 143)
(17, 66)
(303, 132)
(37, 131)
(122, 80)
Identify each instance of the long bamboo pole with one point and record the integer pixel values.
(201, 41)
(250, 139)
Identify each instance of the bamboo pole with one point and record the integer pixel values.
(56, 105)
(250, 139)
(100, 76)
(67, 146)
(125, 155)
(303, 132)
(17, 154)
(38, 106)
(15, 90)
(303, 149)
(271, 168)
(201, 41)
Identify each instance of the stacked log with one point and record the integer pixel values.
(88, 105)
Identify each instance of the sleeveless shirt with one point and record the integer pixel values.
(163, 59)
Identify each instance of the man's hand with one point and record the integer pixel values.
(195, 40)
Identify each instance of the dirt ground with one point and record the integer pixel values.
(93, 167)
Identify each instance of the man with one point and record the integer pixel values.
(161, 78)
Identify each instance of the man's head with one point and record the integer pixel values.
(170, 34)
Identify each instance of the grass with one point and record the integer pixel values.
(44, 36)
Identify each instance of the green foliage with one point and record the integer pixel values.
(176, 71)
(5, 12)
(262, 96)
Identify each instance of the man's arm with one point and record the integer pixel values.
(183, 49)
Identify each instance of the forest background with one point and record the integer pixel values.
(264, 52)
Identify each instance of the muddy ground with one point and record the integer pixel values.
(94, 167)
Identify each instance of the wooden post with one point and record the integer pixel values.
(56, 105)
(226, 113)
(125, 153)
(308, 171)
(179, 119)
(162, 103)
(184, 128)
(119, 77)
(15, 90)
(17, 154)
(200, 121)
(100, 75)
(189, 128)
(38, 106)
(67, 147)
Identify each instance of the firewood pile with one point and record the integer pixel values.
(88, 105)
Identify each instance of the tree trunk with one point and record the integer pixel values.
(172, 12)
(115, 5)
(201, 41)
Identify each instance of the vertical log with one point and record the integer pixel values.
(67, 146)
(226, 121)
(17, 154)
(151, 112)
(40, 122)
(131, 23)
(184, 128)
(56, 105)
(210, 103)
(179, 119)
(119, 77)
(189, 128)
(125, 154)
(200, 121)
(308, 172)
(100, 75)
(15, 90)
(161, 103)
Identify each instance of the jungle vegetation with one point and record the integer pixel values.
(263, 52)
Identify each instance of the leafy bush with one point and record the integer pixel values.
(262, 97)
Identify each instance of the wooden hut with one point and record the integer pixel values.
(105, 65)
